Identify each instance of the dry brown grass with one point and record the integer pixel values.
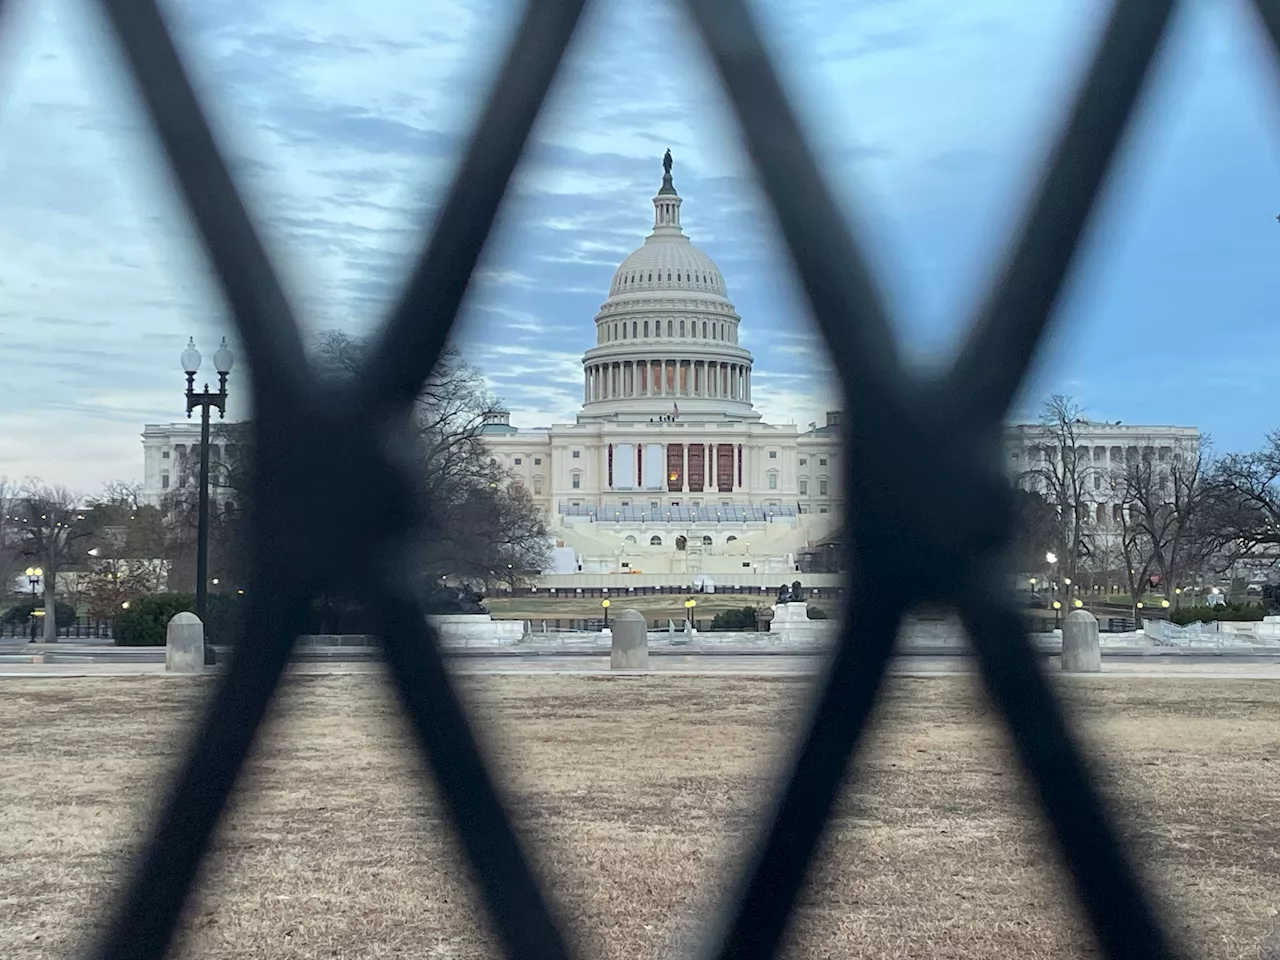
(634, 793)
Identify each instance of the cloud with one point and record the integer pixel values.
(344, 125)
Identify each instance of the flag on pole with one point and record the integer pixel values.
(676, 407)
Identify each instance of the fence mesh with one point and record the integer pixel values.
(314, 446)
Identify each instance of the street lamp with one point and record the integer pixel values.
(33, 577)
(605, 603)
(688, 613)
(1057, 612)
(205, 400)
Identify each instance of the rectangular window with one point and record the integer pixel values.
(626, 503)
(626, 565)
(577, 481)
(822, 461)
(822, 509)
(1097, 482)
(164, 481)
(518, 461)
(804, 486)
(537, 461)
(804, 461)
(537, 485)
(773, 454)
(773, 481)
(822, 489)
(576, 454)
(164, 455)
(653, 504)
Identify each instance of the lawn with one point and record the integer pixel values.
(634, 794)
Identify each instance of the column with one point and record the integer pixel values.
(684, 468)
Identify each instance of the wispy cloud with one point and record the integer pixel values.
(343, 123)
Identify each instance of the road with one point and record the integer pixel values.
(98, 660)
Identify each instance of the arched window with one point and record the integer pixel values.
(668, 276)
(646, 328)
(1100, 514)
(730, 538)
(655, 541)
(651, 278)
(629, 539)
(704, 329)
(681, 543)
(678, 280)
(670, 327)
(706, 541)
(682, 328)
(633, 329)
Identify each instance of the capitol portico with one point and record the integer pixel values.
(669, 469)
(668, 472)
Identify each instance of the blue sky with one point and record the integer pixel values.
(344, 120)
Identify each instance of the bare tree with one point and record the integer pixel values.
(1133, 544)
(482, 524)
(1169, 497)
(1243, 504)
(1063, 474)
(10, 541)
(51, 526)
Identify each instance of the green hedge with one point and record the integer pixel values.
(146, 621)
(1232, 612)
(740, 618)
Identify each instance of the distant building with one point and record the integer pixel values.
(668, 469)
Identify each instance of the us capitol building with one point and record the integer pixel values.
(668, 471)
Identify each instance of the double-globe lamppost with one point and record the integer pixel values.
(205, 400)
(33, 577)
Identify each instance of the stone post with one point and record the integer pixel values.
(184, 644)
(630, 650)
(1081, 652)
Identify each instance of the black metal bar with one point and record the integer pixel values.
(826, 255)
(517, 906)
(1269, 12)
(202, 521)
(142, 924)
(1123, 919)
(410, 345)
(250, 283)
(760, 907)
(1003, 339)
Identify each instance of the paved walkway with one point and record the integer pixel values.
(693, 665)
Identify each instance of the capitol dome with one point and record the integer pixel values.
(667, 335)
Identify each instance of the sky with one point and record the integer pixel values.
(343, 122)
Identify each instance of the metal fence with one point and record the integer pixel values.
(314, 446)
(81, 628)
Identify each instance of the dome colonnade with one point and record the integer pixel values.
(667, 332)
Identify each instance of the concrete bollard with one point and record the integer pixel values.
(1081, 652)
(630, 649)
(184, 644)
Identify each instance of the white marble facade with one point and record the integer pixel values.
(668, 468)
